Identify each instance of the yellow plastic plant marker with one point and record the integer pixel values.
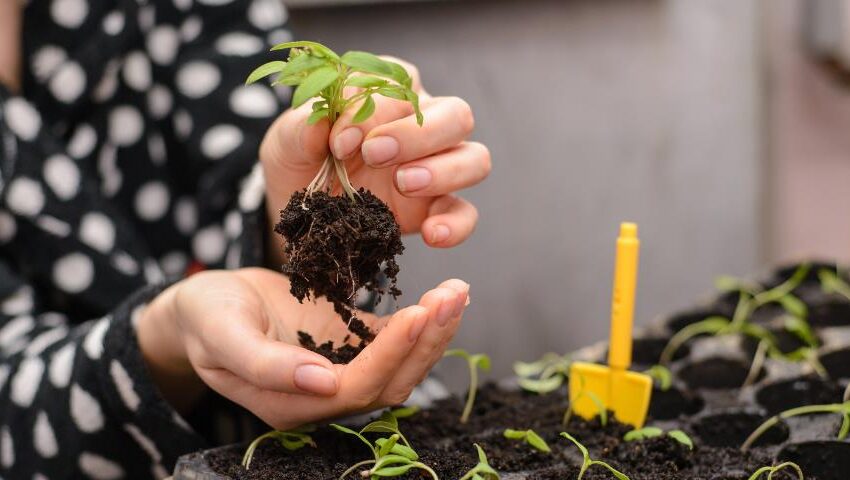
(614, 387)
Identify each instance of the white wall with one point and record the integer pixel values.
(595, 112)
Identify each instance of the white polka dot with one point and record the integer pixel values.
(159, 102)
(191, 28)
(214, 3)
(46, 60)
(38, 476)
(7, 227)
(221, 140)
(83, 141)
(153, 273)
(186, 215)
(197, 79)
(25, 197)
(174, 263)
(182, 124)
(125, 125)
(68, 83)
(255, 101)
(151, 201)
(100, 468)
(4, 375)
(53, 225)
(266, 14)
(253, 190)
(85, 410)
(97, 231)
(156, 149)
(44, 340)
(162, 44)
(62, 176)
(15, 329)
(279, 35)
(69, 13)
(7, 448)
(108, 83)
(111, 177)
(93, 344)
(22, 119)
(73, 273)
(183, 4)
(233, 260)
(61, 365)
(283, 92)
(52, 319)
(125, 264)
(137, 71)
(124, 385)
(239, 44)
(26, 381)
(19, 302)
(113, 23)
(44, 440)
(146, 17)
(233, 224)
(136, 314)
(146, 443)
(208, 244)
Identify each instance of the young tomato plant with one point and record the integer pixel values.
(336, 245)
(475, 362)
(652, 432)
(290, 440)
(482, 470)
(530, 437)
(771, 471)
(661, 376)
(833, 282)
(588, 462)
(601, 411)
(545, 375)
(840, 408)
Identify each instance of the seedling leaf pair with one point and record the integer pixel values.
(652, 432)
(771, 471)
(475, 362)
(290, 440)
(588, 462)
(530, 437)
(544, 375)
(482, 470)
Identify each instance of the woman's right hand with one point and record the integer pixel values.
(237, 332)
(10, 44)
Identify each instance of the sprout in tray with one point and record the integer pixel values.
(661, 376)
(652, 432)
(474, 362)
(583, 392)
(588, 462)
(545, 375)
(338, 239)
(770, 471)
(290, 440)
(482, 470)
(530, 437)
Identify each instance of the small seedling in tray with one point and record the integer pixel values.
(530, 437)
(601, 411)
(337, 244)
(661, 376)
(588, 462)
(545, 375)
(482, 470)
(290, 440)
(770, 471)
(652, 432)
(475, 362)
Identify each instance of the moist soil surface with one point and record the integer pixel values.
(335, 247)
(447, 446)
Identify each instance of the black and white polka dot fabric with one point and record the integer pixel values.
(129, 157)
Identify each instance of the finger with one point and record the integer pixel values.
(451, 220)
(430, 347)
(346, 136)
(460, 167)
(447, 122)
(412, 70)
(291, 143)
(272, 365)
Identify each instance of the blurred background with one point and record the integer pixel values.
(721, 127)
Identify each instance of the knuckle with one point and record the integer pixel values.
(396, 397)
(363, 400)
(463, 113)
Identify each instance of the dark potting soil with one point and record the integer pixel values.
(796, 392)
(335, 247)
(447, 446)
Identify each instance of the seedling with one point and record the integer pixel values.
(841, 408)
(391, 458)
(833, 282)
(771, 471)
(405, 412)
(601, 411)
(661, 376)
(587, 462)
(652, 432)
(291, 440)
(545, 375)
(530, 437)
(336, 245)
(475, 362)
(482, 470)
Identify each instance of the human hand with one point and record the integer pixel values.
(237, 333)
(414, 169)
(10, 45)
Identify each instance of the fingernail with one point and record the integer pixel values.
(315, 379)
(446, 310)
(417, 327)
(439, 233)
(347, 142)
(379, 150)
(412, 179)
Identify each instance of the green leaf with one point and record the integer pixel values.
(528, 369)
(394, 92)
(405, 412)
(385, 445)
(457, 352)
(642, 434)
(537, 441)
(618, 474)
(482, 457)
(482, 361)
(845, 425)
(316, 48)
(303, 64)
(794, 306)
(802, 330)
(600, 407)
(365, 111)
(317, 116)
(682, 438)
(265, 70)
(514, 434)
(413, 98)
(365, 81)
(662, 375)
(393, 471)
(543, 385)
(367, 63)
(581, 448)
(405, 451)
(313, 85)
(400, 75)
(728, 283)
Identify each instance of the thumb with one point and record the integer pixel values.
(292, 152)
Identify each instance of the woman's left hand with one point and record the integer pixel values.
(10, 44)
(415, 170)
